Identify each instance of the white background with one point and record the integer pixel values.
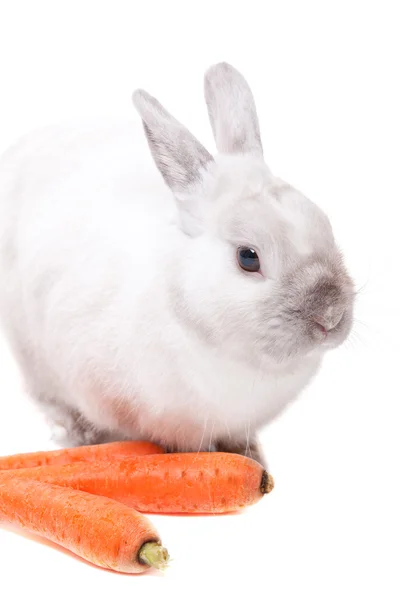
(325, 78)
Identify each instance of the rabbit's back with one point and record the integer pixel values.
(77, 204)
(62, 188)
(75, 168)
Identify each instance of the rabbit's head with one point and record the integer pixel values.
(256, 271)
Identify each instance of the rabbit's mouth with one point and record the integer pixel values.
(338, 334)
(292, 335)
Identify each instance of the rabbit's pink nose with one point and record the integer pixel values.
(321, 327)
(329, 321)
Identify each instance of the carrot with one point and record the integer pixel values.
(205, 482)
(111, 451)
(102, 531)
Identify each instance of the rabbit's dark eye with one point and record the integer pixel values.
(248, 259)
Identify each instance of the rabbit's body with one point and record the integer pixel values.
(117, 323)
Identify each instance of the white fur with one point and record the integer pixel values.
(93, 248)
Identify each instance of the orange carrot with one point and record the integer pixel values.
(111, 451)
(102, 531)
(206, 482)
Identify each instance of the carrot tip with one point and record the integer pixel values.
(267, 483)
(154, 555)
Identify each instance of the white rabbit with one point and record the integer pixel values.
(188, 305)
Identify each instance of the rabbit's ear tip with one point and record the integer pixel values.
(138, 92)
(139, 96)
(219, 67)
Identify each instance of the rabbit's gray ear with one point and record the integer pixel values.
(178, 155)
(232, 111)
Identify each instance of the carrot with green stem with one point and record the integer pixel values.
(202, 482)
(110, 451)
(104, 532)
